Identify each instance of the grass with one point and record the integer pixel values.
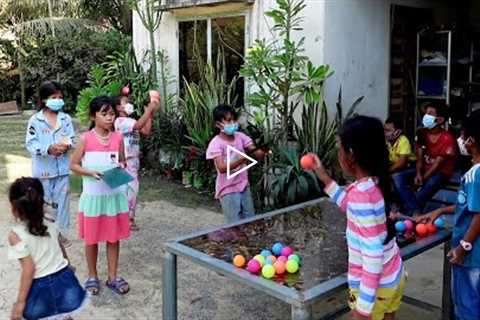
(15, 162)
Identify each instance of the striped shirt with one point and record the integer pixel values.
(371, 263)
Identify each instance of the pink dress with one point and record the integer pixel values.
(103, 211)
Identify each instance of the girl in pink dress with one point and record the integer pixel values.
(103, 211)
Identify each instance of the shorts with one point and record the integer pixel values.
(466, 292)
(58, 294)
(388, 300)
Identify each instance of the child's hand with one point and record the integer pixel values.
(428, 217)
(97, 175)
(17, 311)
(155, 99)
(456, 255)
(418, 180)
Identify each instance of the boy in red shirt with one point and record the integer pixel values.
(436, 151)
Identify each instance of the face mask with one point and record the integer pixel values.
(128, 108)
(230, 129)
(429, 121)
(55, 104)
(462, 146)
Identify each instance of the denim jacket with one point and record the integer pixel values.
(40, 135)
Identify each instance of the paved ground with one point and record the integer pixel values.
(202, 294)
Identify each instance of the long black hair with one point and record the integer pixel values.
(26, 197)
(47, 89)
(364, 137)
(101, 103)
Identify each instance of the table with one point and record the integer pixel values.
(316, 229)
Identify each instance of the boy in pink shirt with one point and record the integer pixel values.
(234, 193)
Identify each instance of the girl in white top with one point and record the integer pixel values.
(48, 286)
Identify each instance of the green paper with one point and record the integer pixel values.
(116, 177)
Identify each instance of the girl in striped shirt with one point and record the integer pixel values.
(375, 270)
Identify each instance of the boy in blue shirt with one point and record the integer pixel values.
(50, 135)
(465, 255)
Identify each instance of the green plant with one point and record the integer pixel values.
(290, 184)
(98, 86)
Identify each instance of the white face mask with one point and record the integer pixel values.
(429, 121)
(129, 109)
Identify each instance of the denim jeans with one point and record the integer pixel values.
(57, 191)
(57, 294)
(466, 292)
(415, 201)
(237, 205)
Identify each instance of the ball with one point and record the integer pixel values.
(272, 259)
(125, 90)
(154, 95)
(439, 223)
(277, 248)
(400, 226)
(253, 266)
(279, 267)
(408, 225)
(268, 271)
(295, 257)
(265, 253)
(282, 259)
(239, 261)
(421, 229)
(286, 251)
(260, 259)
(431, 228)
(292, 266)
(307, 162)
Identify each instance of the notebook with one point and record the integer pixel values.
(116, 177)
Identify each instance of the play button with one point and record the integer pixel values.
(232, 155)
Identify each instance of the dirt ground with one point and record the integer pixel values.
(201, 294)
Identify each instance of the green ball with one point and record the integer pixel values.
(268, 271)
(260, 259)
(292, 266)
(295, 257)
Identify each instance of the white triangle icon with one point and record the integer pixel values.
(231, 149)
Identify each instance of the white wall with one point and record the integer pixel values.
(352, 36)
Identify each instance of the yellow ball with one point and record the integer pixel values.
(260, 259)
(268, 271)
(292, 266)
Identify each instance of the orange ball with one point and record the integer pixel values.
(279, 267)
(307, 162)
(239, 261)
(431, 228)
(421, 229)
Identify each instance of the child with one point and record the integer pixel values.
(234, 194)
(103, 212)
(375, 268)
(131, 129)
(50, 135)
(399, 148)
(465, 255)
(48, 286)
(436, 153)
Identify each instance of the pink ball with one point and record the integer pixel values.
(254, 266)
(282, 259)
(286, 251)
(408, 225)
(125, 90)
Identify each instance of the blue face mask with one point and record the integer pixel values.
(429, 121)
(55, 104)
(230, 129)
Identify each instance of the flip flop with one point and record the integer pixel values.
(117, 285)
(92, 285)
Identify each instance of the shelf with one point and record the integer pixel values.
(433, 65)
(432, 97)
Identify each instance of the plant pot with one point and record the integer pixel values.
(168, 173)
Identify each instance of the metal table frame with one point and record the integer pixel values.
(300, 302)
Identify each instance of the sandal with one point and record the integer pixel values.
(118, 285)
(92, 285)
(134, 227)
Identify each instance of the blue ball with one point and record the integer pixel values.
(277, 248)
(439, 223)
(265, 253)
(400, 226)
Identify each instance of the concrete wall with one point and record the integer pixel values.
(352, 36)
